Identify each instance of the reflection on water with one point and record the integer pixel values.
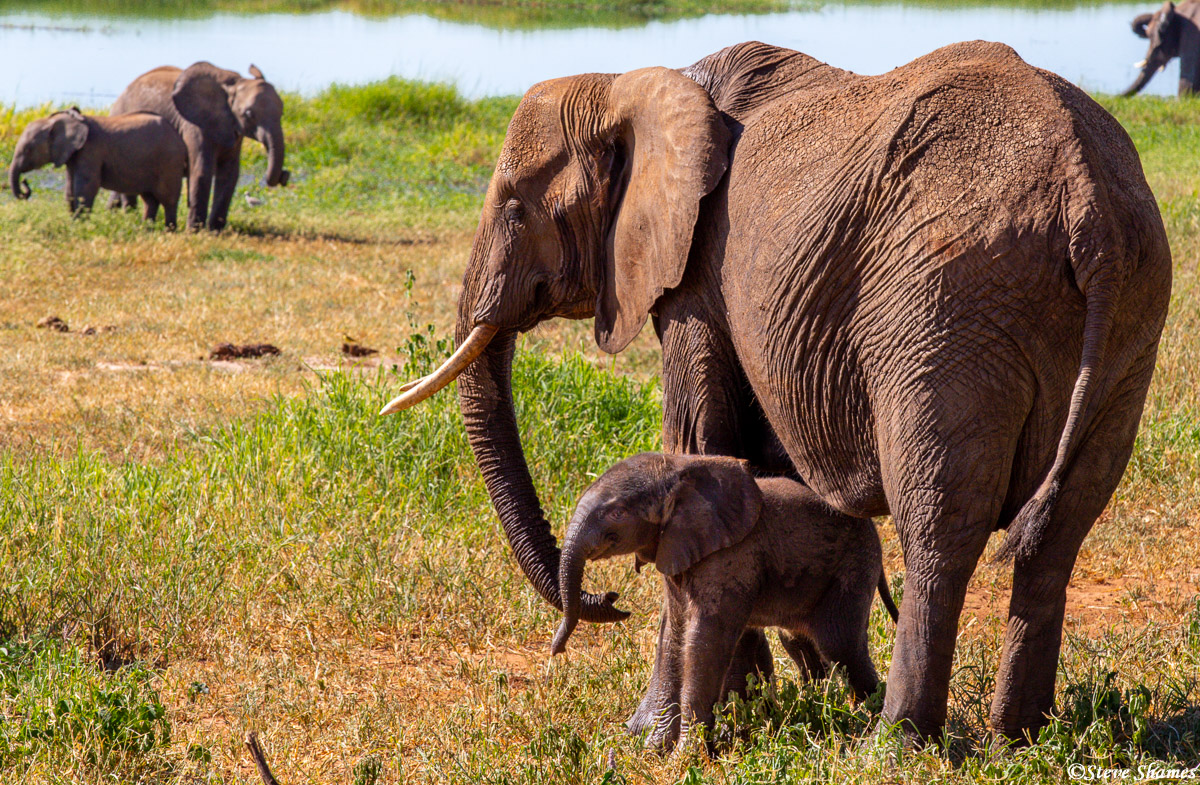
(88, 60)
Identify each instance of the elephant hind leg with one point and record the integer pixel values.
(1033, 637)
(170, 205)
(840, 632)
(752, 656)
(122, 201)
(150, 211)
(805, 654)
(946, 477)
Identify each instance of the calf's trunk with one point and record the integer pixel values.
(20, 189)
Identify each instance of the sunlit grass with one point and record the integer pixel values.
(248, 546)
(503, 14)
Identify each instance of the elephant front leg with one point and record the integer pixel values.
(706, 411)
(658, 711)
(224, 186)
(200, 174)
(709, 644)
(85, 185)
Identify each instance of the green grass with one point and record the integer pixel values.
(338, 582)
(319, 510)
(58, 705)
(502, 14)
(393, 148)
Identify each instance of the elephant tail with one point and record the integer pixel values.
(1029, 528)
(885, 596)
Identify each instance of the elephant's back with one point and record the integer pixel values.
(151, 136)
(150, 92)
(908, 240)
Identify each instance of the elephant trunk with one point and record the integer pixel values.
(485, 397)
(570, 583)
(1142, 79)
(272, 139)
(1150, 66)
(20, 189)
(1139, 25)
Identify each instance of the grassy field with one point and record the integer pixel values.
(504, 14)
(194, 549)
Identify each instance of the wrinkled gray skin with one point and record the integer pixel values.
(1173, 32)
(136, 153)
(935, 293)
(213, 110)
(735, 553)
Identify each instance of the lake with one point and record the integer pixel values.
(88, 59)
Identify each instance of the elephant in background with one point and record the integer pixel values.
(135, 153)
(936, 293)
(1173, 32)
(213, 110)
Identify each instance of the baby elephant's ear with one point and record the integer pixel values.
(67, 136)
(713, 504)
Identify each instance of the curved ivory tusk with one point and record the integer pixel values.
(1140, 64)
(416, 391)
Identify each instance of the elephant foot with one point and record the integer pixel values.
(660, 724)
(664, 739)
(1016, 733)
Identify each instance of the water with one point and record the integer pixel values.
(89, 59)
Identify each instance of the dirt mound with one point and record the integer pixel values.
(229, 351)
(357, 350)
(54, 323)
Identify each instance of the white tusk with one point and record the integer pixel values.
(1140, 64)
(416, 391)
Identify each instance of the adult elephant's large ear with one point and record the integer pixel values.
(673, 149)
(201, 95)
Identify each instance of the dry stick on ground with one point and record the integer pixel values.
(260, 760)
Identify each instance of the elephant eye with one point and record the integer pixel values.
(247, 113)
(514, 211)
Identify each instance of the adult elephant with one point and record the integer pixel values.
(939, 290)
(213, 110)
(1173, 32)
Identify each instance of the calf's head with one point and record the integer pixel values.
(49, 140)
(671, 510)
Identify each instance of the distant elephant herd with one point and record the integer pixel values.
(168, 124)
(935, 294)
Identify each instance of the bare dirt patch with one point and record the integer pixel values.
(53, 323)
(246, 351)
(355, 349)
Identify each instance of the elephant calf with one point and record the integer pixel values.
(136, 153)
(736, 553)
